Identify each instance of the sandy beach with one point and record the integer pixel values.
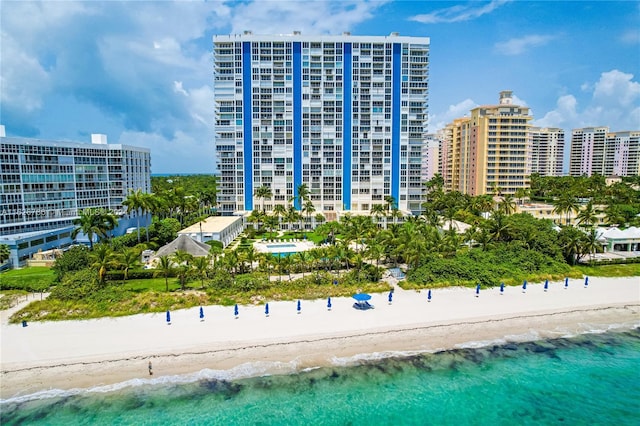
(85, 354)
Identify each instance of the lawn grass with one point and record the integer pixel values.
(620, 270)
(35, 278)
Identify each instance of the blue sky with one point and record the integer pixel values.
(141, 71)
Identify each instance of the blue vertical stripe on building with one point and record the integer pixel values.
(246, 121)
(297, 121)
(346, 127)
(395, 122)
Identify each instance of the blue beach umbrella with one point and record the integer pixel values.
(478, 290)
(201, 314)
(566, 283)
(586, 282)
(299, 308)
(329, 303)
(390, 297)
(266, 309)
(524, 286)
(501, 288)
(235, 310)
(546, 285)
(429, 296)
(168, 317)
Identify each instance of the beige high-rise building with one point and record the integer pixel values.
(596, 150)
(489, 150)
(547, 150)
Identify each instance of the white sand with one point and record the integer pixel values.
(72, 354)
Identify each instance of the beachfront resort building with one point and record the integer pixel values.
(547, 150)
(596, 150)
(215, 228)
(488, 150)
(45, 184)
(345, 115)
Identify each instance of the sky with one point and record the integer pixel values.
(141, 72)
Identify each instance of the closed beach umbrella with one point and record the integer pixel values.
(168, 317)
(235, 310)
(201, 314)
(390, 297)
(299, 307)
(501, 288)
(524, 286)
(566, 283)
(429, 296)
(478, 290)
(586, 282)
(328, 303)
(546, 285)
(266, 309)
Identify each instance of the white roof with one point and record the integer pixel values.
(212, 224)
(619, 234)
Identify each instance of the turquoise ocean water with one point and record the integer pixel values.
(584, 380)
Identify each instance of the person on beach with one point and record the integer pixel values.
(150, 369)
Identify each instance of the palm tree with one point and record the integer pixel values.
(264, 192)
(588, 215)
(127, 259)
(303, 192)
(201, 267)
(319, 219)
(279, 211)
(165, 265)
(93, 223)
(391, 202)
(291, 216)
(590, 244)
(308, 208)
(134, 202)
(566, 203)
(302, 257)
(183, 260)
(101, 259)
(507, 205)
(377, 211)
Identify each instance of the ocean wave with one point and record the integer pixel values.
(242, 371)
(270, 368)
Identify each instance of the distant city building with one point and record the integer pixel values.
(46, 184)
(490, 150)
(596, 150)
(431, 156)
(547, 151)
(345, 115)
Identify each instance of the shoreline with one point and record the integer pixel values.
(115, 351)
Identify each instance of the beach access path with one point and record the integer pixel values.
(89, 353)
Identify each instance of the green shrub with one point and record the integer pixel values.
(74, 259)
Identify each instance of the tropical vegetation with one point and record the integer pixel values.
(351, 254)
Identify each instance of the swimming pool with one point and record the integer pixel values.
(283, 245)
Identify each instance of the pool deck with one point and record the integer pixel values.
(284, 246)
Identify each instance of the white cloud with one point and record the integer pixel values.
(614, 102)
(439, 120)
(517, 46)
(284, 17)
(177, 153)
(458, 13)
(631, 36)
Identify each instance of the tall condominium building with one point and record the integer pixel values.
(431, 156)
(547, 151)
(489, 150)
(45, 184)
(344, 115)
(596, 150)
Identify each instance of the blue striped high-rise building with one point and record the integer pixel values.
(345, 115)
